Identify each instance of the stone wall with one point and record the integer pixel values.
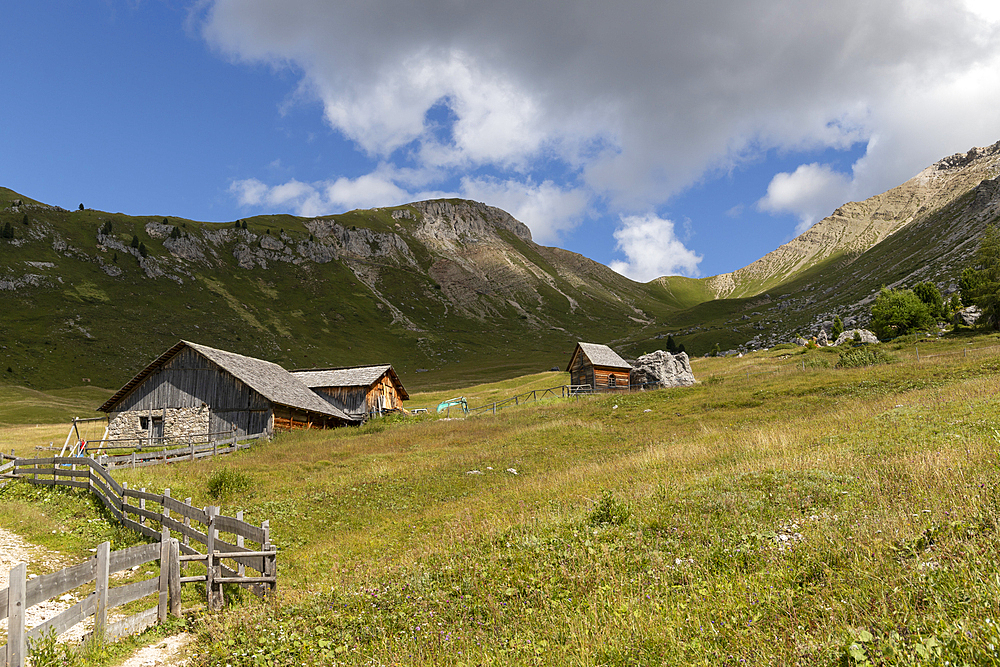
(178, 423)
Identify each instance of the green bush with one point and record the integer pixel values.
(226, 483)
(609, 510)
(898, 312)
(865, 355)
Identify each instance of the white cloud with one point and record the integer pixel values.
(635, 100)
(652, 249)
(811, 192)
(547, 209)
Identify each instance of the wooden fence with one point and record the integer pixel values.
(23, 593)
(225, 561)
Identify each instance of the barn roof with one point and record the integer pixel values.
(349, 376)
(268, 379)
(599, 355)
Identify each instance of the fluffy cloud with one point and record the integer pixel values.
(547, 209)
(634, 101)
(811, 192)
(653, 249)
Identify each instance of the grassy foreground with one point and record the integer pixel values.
(779, 512)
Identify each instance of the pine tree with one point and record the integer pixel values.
(8, 231)
(836, 329)
(671, 345)
(25, 219)
(135, 241)
(142, 250)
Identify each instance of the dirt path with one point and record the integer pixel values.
(14, 550)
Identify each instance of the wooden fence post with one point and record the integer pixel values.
(187, 523)
(101, 588)
(142, 506)
(213, 590)
(17, 651)
(166, 510)
(174, 582)
(124, 500)
(270, 562)
(165, 567)
(240, 567)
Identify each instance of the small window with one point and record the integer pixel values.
(612, 380)
(144, 423)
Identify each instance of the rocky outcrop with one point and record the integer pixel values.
(662, 369)
(968, 316)
(848, 336)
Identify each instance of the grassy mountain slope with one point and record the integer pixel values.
(450, 292)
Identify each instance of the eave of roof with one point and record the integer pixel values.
(600, 356)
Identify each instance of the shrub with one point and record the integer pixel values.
(837, 328)
(930, 295)
(609, 510)
(898, 312)
(142, 250)
(227, 482)
(135, 241)
(864, 356)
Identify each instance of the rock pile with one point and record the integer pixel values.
(662, 369)
(968, 316)
(848, 336)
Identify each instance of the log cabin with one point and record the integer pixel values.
(194, 389)
(359, 391)
(598, 366)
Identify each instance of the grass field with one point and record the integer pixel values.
(782, 511)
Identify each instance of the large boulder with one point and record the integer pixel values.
(662, 369)
(848, 336)
(822, 340)
(968, 316)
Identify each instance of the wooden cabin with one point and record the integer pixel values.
(357, 390)
(598, 366)
(194, 389)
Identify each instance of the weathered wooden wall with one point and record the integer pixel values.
(190, 380)
(581, 372)
(352, 400)
(386, 390)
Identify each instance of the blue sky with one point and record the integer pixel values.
(671, 138)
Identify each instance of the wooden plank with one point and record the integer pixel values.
(227, 524)
(142, 495)
(67, 618)
(256, 562)
(17, 648)
(101, 587)
(3, 606)
(109, 499)
(73, 483)
(184, 529)
(132, 592)
(164, 578)
(106, 479)
(129, 558)
(132, 625)
(33, 462)
(66, 472)
(174, 584)
(144, 513)
(48, 586)
(139, 528)
(196, 513)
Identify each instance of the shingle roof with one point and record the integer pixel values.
(348, 376)
(268, 379)
(600, 355)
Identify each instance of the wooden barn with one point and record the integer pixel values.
(194, 389)
(598, 366)
(357, 390)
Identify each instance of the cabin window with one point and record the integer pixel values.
(612, 380)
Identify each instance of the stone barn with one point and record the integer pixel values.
(357, 390)
(599, 366)
(194, 389)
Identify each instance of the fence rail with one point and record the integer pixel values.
(22, 594)
(172, 517)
